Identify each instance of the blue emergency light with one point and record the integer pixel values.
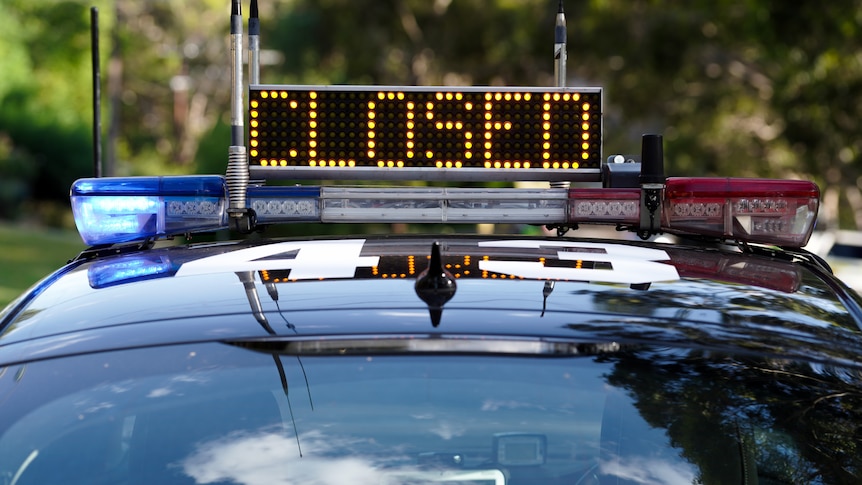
(124, 209)
(132, 267)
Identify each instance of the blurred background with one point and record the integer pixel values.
(742, 88)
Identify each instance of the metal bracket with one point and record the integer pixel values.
(650, 210)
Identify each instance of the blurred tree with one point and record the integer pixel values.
(45, 97)
(419, 42)
(792, 418)
(750, 88)
(170, 76)
(165, 83)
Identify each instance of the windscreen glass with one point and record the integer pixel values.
(219, 413)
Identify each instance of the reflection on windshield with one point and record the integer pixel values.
(270, 457)
(264, 458)
(219, 414)
(648, 471)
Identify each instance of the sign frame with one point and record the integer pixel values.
(263, 165)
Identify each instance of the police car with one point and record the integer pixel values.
(733, 357)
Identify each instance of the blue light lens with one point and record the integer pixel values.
(127, 269)
(123, 209)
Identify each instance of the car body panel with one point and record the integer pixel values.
(553, 288)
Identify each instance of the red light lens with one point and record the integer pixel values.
(763, 211)
(780, 212)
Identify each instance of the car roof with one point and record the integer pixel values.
(588, 290)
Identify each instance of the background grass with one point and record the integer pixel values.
(27, 254)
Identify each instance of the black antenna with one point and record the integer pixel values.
(652, 184)
(247, 279)
(435, 285)
(97, 92)
(253, 44)
(283, 377)
(273, 293)
(546, 292)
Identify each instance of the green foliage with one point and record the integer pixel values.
(48, 46)
(41, 157)
(45, 94)
(30, 254)
(739, 88)
(16, 61)
(17, 171)
(211, 156)
(413, 42)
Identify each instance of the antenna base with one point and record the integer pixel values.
(242, 221)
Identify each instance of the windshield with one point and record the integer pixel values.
(219, 413)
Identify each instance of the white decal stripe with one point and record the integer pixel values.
(314, 260)
(629, 264)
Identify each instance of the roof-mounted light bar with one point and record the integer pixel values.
(273, 205)
(779, 212)
(765, 211)
(123, 209)
(443, 205)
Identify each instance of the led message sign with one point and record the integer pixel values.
(434, 128)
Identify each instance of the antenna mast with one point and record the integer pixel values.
(560, 47)
(560, 66)
(253, 44)
(240, 218)
(97, 92)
